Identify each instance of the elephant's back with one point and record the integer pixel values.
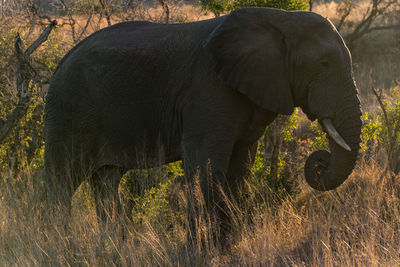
(142, 37)
(128, 63)
(138, 51)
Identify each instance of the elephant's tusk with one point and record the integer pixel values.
(327, 123)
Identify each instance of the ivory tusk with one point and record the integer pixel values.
(327, 123)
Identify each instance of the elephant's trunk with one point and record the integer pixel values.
(326, 171)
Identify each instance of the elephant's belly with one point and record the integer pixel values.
(141, 134)
(142, 157)
(140, 151)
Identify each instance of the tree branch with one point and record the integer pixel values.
(344, 8)
(388, 27)
(42, 38)
(165, 7)
(391, 150)
(71, 20)
(104, 6)
(378, 8)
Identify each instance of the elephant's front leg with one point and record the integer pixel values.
(240, 165)
(206, 166)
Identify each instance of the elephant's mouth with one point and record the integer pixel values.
(308, 113)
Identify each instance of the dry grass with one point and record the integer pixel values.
(356, 225)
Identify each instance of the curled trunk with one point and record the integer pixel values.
(326, 171)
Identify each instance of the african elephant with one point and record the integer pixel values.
(139, 94)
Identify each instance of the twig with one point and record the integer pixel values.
(106, 13)
(86, 25)
(33, 8)
(388, 27)
(2, 9)
(346, 9)
(76, 35)
(165, 7)
(379, 98)
(71, 20)
(392, 154)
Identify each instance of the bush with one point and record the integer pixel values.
(221, 6)
(25, 143)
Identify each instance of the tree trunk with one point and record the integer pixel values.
(276, 150)
(166, 10)
(2, 9)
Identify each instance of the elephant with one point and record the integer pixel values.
(137, 95)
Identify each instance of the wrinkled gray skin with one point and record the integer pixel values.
(140, 94)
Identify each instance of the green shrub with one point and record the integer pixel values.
(25, 144)
(221, 6)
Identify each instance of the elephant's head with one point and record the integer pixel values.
(281, 60)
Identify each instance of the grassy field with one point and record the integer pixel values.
(357, 224)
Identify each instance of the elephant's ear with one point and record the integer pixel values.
(251, 56)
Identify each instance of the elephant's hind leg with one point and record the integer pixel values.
(61, 183)
(105, 183)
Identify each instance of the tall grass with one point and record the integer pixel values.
(355, 225)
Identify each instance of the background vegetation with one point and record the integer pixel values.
(280, 220)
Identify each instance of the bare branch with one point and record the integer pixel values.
(393, 153)
(105, 8)
(2, 9)
(71, 19)
(165, 7)
(378, 28)
(34, 10)
(42, 38)
(379, 98)
(344, 8)
(88, 20)
(77, 31)
(377, 9)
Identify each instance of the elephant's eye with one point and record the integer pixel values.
(325, 64)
